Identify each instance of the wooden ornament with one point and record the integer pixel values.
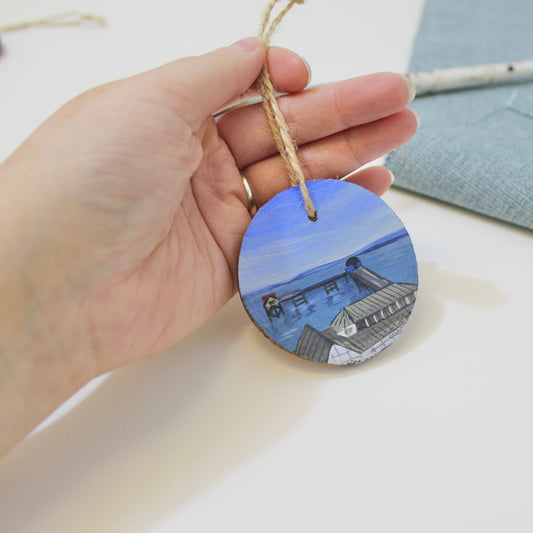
(337, 290)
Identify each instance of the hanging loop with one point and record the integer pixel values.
(280, 130)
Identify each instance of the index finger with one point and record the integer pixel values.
(315, 113)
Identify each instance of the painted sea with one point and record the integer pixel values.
(385, 256)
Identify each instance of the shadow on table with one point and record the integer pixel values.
(157, 434)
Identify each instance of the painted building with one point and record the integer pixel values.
(361, 329)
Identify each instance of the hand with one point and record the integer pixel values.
(129, 207)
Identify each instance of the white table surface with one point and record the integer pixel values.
(224, 432)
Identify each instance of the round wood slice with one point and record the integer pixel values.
(338, 290)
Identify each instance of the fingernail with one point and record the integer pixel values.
(417, 118)
(392, 178)
(410, 87)
(308, 67)
(249, 43)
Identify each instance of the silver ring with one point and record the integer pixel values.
(252, 206)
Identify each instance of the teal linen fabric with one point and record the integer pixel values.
(474, 148)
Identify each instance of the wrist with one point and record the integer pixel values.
(43, 355)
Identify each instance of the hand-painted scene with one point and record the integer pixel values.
(338, 290)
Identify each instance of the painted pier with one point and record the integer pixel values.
(359, 330)
(363, 277)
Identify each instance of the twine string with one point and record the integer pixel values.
(280, 130)
(70, 18)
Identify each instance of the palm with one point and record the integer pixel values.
(191, 273)
(179, 266)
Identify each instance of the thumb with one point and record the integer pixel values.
(201, 85)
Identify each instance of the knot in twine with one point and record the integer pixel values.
(280, 130)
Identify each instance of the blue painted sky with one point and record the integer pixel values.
(281, 242)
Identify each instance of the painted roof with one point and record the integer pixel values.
(373, 303)
(315, 344)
